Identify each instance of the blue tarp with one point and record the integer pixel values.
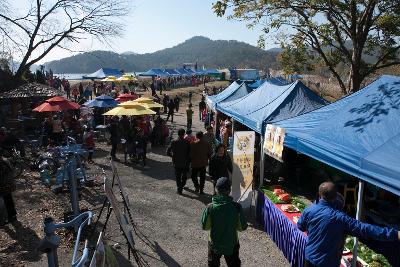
(154, 72)
(359, 134)
(103, 73)
(214, 99)
(272, 103)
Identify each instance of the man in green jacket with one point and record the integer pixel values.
(224, 218)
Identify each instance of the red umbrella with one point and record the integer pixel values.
(126, 97)
(55, 104)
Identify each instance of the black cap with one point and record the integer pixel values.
(223, 184)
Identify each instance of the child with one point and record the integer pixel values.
(189, 117)
(88, 141)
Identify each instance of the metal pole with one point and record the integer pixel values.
(73, 187)
(358, 216)
(262, 158)
(51, 251)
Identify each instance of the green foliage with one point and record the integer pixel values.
(368, 255)
(359, 37)
(212, 54)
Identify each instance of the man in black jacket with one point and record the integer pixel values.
(179, 151)
(114, 136)
(220, 165)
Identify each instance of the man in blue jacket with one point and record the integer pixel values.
(326, 228)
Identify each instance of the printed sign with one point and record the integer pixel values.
(273, 143)
(243, 162)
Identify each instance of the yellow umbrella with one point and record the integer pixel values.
(109, 79)
(129, 110)
(147, 102)
(126, 78)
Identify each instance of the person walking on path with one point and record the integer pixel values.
(190, 97)
(189, 117)
(224, 218)
(171, 109)
(209, 137)
(75, 92)
(88, 138)
(327, 226)
(114, 137)
(177, 101)
(165, 102)
(220, 165)
(202, 107)
(200, 152)
(179, 150)
(80, 89)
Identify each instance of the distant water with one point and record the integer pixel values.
(78, 76)
(71, 76)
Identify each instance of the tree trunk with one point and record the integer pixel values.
(355, 80)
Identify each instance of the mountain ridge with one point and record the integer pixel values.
(204, 51)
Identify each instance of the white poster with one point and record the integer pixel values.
(243, 163)
(273, 143)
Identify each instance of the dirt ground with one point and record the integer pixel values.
(168, 229)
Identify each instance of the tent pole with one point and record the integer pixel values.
(358, 216)
(262, 158)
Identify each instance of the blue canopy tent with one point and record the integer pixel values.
(273, 80)
(359, 134)
(240, 92)
(103, 73)
(256, 84)
(272, 103)
(103, 101)
(201, 72)
(190, 72)
(171, 72)
(214, 99)
(183, 71)
(154, 73)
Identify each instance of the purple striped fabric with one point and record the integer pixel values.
(290, 240)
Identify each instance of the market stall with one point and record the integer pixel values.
(358, 135)
(214, 99)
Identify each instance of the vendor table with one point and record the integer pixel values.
(291, 241)
(281, 229)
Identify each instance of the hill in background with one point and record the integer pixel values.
(211, 54)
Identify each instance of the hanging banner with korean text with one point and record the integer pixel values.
(273, 141)
(243, 163)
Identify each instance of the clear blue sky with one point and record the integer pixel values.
(158, 24)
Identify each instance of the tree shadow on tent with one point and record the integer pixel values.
(386, 98)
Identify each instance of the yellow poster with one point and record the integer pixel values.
(243, 162)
